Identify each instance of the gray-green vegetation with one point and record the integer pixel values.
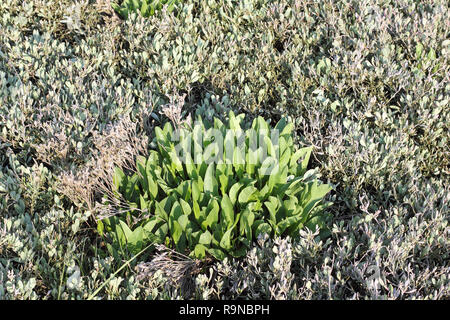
(365, 83)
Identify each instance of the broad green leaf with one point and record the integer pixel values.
(160, 211)
(251, 158)
(176, 211)
(247, 194)
(218, 124)
(235, 121)
(290, 205)
(269, 203)
(135, 4)
(268, 167)
(200, 251)
(285, 157)
(168, 202)
(255, 206)
(217, 235)
(120, 237)
(227, 210)
(162, 232)
(195, 235)
(162, 141)
(190, 167)
(163, 185)
(278, 181)
(287, 130)
(271, 150)
(240, 252)
(168, 130)
(305, 154)
(213, 214)
(239, 160)
(136, 240)
(234, 192)
(126, 230)
(200, 183)
(263, 228)
(246, 223)
(316, 193)
(152, 224)
(145, 9)
(141, 170)
(186, 207)
(177, 232)
(315, 221)
(198, 213)
(294, 187)
(262, 124)
(195, 191)
(286, 223)
(272, 205)
(264, 192)
(205, 238)
(282, 146)
(217, 253)
(225, 242)
(223, 180)
(210, 180)
(100, 228)
(184, 190)
(281, 125)
(176, 162)
(119, 178)
(143, 202)
(229, 146)
(151, 183)
(183, 221)
(225, 176)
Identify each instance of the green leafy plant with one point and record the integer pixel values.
(147, 8)
(218, 207)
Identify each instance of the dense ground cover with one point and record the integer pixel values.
(364, 82)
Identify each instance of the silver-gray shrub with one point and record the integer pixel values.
(365, 82)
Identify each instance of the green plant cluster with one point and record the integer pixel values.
(364, 82)
(218, 207)
(146, 8)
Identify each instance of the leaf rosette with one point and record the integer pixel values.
(215, 188)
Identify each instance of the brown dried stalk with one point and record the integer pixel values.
(118, 146)
(177, 267)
